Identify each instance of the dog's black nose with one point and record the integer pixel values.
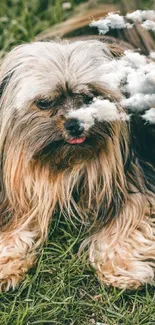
(74, 127)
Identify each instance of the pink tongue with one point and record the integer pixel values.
(76, 140)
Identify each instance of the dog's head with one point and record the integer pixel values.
(64, 140)
(55, 104)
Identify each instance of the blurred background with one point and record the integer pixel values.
(25, 20)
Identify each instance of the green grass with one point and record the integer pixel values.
(21, 20)
(62, 288)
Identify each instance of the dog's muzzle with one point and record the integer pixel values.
(74, 127)
(75, 130)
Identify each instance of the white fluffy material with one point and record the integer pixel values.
(139, 102)
(149, 116)
(149, 25)
(115, 21)
(141, 82)
(139, 16)
(152, 55)
(134, 75)
(134, 59)
(111, 21)
(100, 110)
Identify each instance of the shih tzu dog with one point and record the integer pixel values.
(68, 145)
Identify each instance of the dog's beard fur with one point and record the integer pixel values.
(40, 171)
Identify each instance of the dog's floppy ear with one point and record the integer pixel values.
(116, 50)
(4, 83)
(4, 204)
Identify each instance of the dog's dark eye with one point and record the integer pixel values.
(44, 104)
(88, 99)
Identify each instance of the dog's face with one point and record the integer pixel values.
(55, 103)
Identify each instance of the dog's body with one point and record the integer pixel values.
(56, 155)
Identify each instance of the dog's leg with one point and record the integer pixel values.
(124, 253)
(17, 255)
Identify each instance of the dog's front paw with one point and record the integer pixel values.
(131, 277)
(17, 256)
(119, 281)
(12, 271)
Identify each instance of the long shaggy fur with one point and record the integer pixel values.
(105, 180)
